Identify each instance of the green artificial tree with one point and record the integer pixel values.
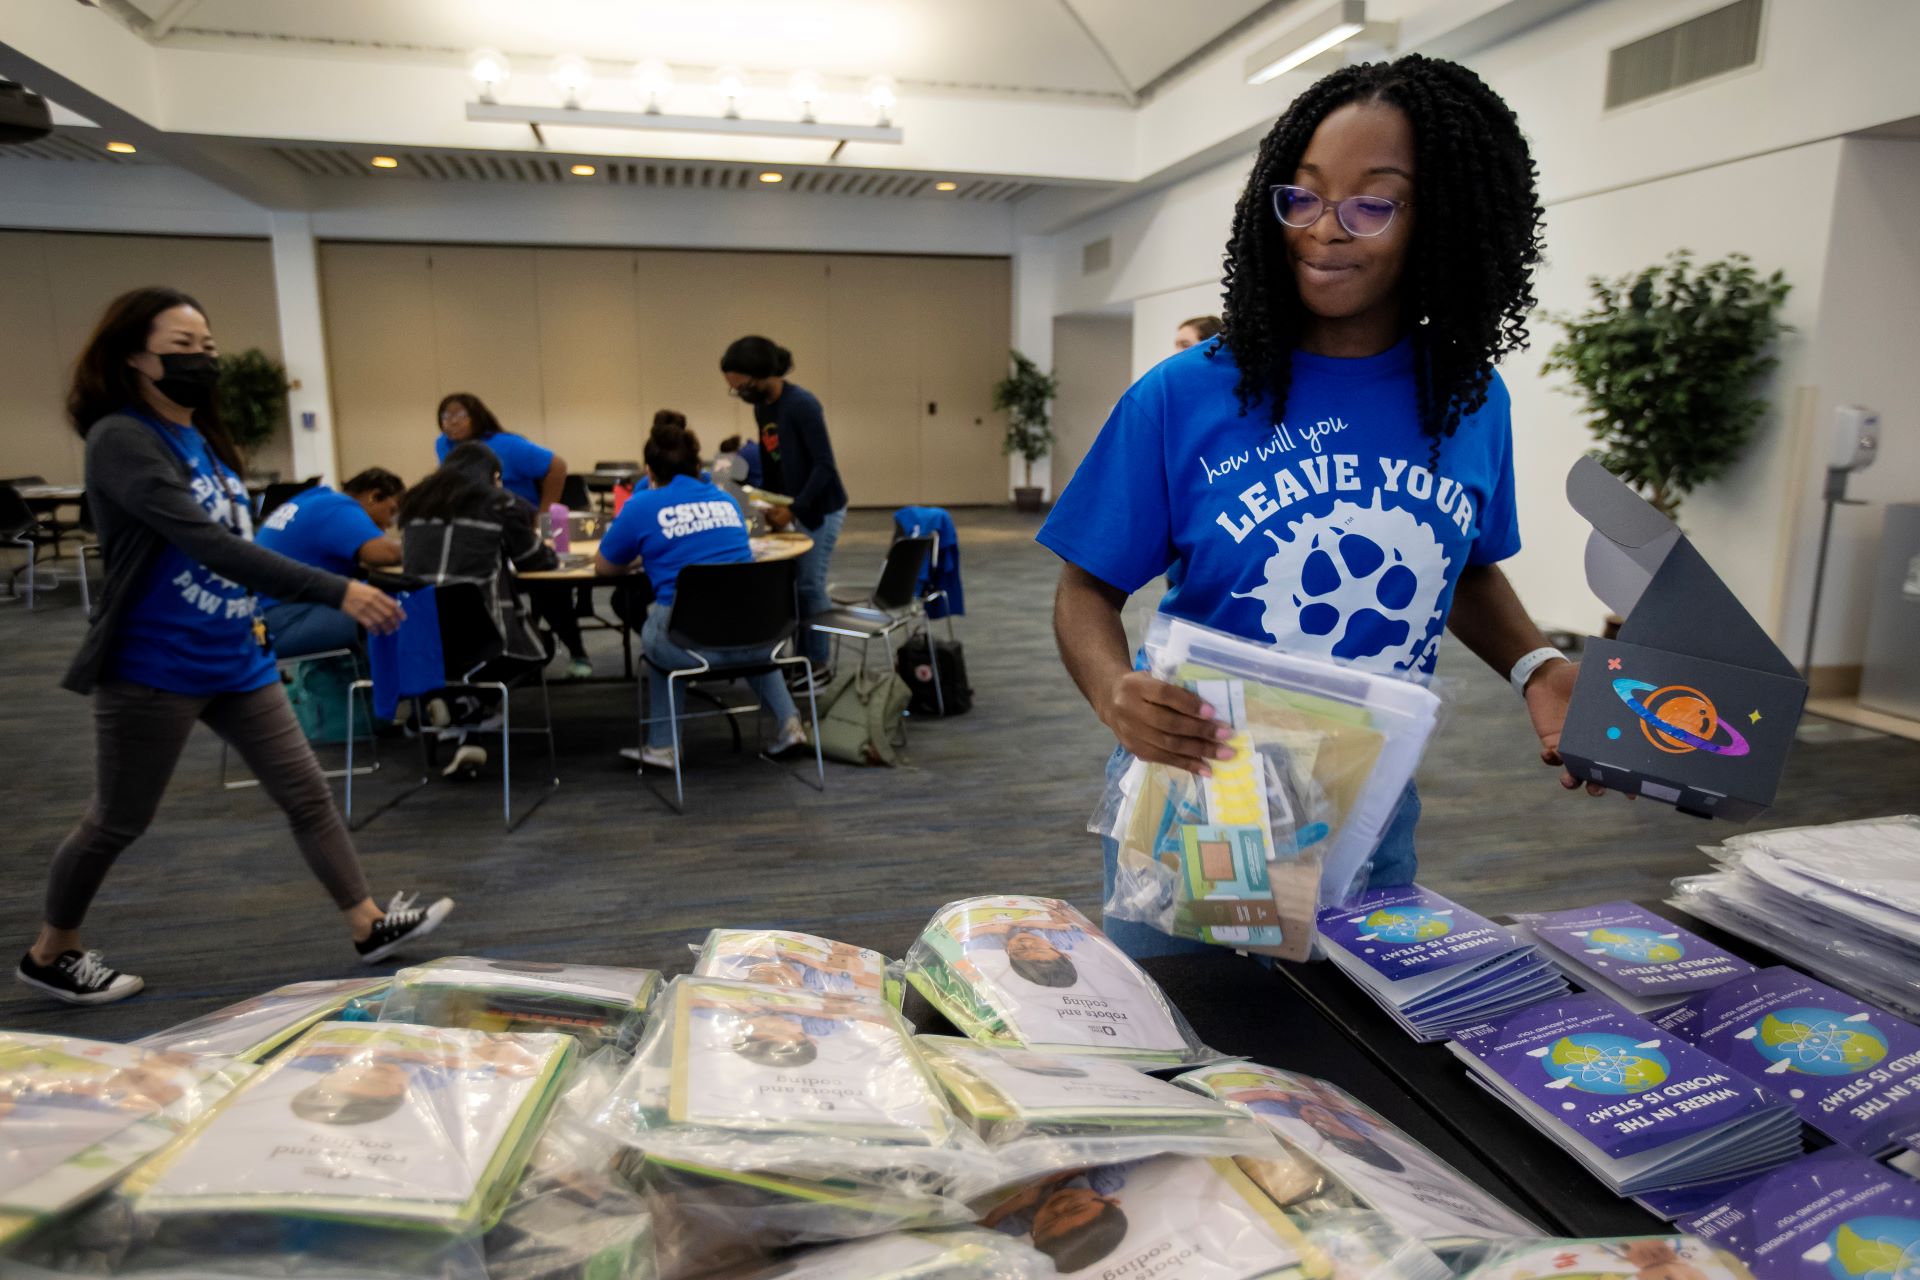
(253, 398)
(1025, 394)
(1667, 361)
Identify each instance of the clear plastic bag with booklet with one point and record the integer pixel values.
(1612, 1258)
(598, 1005)
(1248, 856)
(252, 1029)
(762, 1117)
(76, 1116)
(782, 958)
(1039, 1113)
(1034, 973)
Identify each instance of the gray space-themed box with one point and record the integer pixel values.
(1694, 704)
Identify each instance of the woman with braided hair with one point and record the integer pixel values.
(1333, 474)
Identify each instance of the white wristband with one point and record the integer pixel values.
(1523, 670)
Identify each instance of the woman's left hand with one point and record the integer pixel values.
(1548, 694)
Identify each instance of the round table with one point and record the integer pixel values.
(769, 546)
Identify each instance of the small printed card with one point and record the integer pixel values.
(1833, 1215)
(780, 958)
(1634, 1258)
(1850, 1069)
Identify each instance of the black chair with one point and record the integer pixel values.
(89, 545)
(21, 527)
(277, 494)
(574, 495)
(892, 605)
(468, 641)
(626, 465)
(732, 606)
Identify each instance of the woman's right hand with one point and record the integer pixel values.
(372, 608)
(1164, 724)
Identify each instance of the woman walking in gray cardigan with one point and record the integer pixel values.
(175, 637)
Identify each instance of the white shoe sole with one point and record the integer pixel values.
(435, 914)
(111, 994)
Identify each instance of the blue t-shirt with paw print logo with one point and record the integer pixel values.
(1330, 533)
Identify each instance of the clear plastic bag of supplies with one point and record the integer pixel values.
(954, 1253)
(1248, 856)
(76, 1116)
(1355, 1244)
(1346, 1155)
(1612, 1258)
(251, 1030)
(765, 1117)
(573, 1214)
(1040, 1113)
(780, 958)
(596, 1004)
(383, 1125)
(1034, 973)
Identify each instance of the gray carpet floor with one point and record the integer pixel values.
(213, 904)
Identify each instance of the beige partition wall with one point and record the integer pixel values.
(58, 284)
(577, 348)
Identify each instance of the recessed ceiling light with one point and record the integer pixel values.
(122, 148)
(771, 176)
(384, 162)
(583, 171)
(946, 186)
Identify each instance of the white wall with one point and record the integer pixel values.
(1869, 317)
(1093, 358)
(1157, 316)
(59, 195)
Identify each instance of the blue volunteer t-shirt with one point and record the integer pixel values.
(320, 527)
(523, 464)
(1328, 534)
(687, 522)
(191, 630)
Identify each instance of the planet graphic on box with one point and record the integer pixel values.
(1818, 1042)
(1602, 1062)
(1679, 719)
(1642, 946)
(1408, 924)
(1874, 1247)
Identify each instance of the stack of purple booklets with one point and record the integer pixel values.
(1850, 1069)
(1641, 1108)
(1833, 1215)
(1433, 964)
(1630, 955)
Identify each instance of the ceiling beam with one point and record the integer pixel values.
(1100, 46)
(164, 24)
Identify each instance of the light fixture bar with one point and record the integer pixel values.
(1339, 23)
(507, 113)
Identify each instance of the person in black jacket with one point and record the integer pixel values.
(796, 458)
(176, 635)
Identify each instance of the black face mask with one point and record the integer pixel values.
(752, 393)
(189, 379)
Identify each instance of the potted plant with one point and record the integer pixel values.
(1025, 394)
(253, 398)
(1668, 361)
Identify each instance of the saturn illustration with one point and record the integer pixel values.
(1678, 719)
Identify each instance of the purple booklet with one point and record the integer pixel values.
(1833, 1215)
(1632, 955)
(1643, 1110)
(1410, 932)
(1852, 1070)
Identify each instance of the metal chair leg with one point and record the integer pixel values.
(673, 727)
(933, 660)
(80, 564)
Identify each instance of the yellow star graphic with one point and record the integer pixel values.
(1753, 717)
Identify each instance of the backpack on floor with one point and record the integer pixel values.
(915, 665)
(318, 692)
(859, 716)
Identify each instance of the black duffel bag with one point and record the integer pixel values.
(915, 665)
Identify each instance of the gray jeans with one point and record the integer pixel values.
(139, 735)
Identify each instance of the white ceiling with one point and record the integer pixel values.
(1099, 47)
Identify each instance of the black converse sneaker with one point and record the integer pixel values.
(78, 978)
(402, 924)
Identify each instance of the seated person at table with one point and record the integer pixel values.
(750, 454)
(684, 520)
(729, 472)
(460, 525)
(337, 532)
(536, 474)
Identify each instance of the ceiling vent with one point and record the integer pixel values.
(1722, 40)
(1096, 257)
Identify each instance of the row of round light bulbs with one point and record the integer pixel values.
(653, 81)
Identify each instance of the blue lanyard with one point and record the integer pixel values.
(225, 479)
